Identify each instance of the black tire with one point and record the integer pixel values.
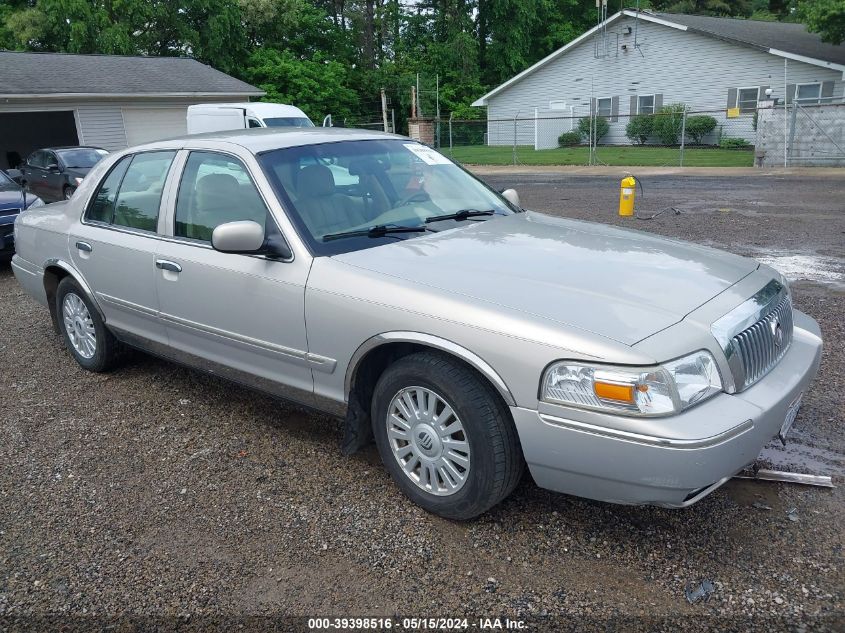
(68, 192)
(496, 457)
(108, 349)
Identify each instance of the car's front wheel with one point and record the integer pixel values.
(445, 436)
(85, 334)
(68, 192)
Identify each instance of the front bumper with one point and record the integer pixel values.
(608, 464)
(7, 237)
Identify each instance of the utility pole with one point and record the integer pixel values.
(413, 103)
(384, 110)
(437, 108)
(417, 108)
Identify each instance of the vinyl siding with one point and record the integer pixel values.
(683, 67)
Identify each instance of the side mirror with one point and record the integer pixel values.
(511, 196)
(52, 167)
(246, 237)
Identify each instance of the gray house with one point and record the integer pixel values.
(50, 99)
(635, 62)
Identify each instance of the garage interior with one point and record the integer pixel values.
(23, 132)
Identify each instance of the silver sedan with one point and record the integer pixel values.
(370, 277)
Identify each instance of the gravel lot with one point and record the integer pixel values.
(156, 498)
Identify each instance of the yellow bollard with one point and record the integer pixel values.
(627, 193)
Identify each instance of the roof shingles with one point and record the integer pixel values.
(783, 36)
(59, 73)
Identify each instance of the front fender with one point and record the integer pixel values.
(429, 341)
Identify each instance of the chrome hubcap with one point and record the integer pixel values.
(79, 325)
(428, 440)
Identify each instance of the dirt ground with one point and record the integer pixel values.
(156, 498)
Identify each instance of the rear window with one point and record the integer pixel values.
(288, 121)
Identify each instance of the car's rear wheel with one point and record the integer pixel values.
(68, 192)
(85, 334)
(445, 436)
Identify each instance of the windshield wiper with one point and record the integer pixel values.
(464, 214)
(379, 230)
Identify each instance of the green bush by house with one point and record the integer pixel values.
(697, 127)
(639, 128)
(600, 123)
(567, 139)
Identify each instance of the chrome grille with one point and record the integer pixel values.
(762, 345)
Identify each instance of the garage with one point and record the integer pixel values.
(107, 101)
(143, 125)
(24, 132)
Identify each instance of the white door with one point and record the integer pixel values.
(143, 125)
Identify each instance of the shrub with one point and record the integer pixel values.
(668, 123)
(699, 126)
(601, 127)
(735, 143)
(569, 138)
(639, 128)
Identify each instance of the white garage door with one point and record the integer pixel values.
(153, 124)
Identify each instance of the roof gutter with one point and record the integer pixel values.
(143, 95)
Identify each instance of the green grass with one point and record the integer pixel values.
(625, 155)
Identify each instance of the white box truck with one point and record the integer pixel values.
(216, 117)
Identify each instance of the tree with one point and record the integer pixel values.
(825, 17)
(599, 127)
(318, 86)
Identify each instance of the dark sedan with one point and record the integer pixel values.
(55, 173)
(13, 199)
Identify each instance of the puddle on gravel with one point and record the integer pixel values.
(801, 458)
(818, 268)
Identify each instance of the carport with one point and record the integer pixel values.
(24, 132)
(108, 101)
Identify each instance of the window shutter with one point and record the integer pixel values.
(614, 109)
(790, 92)
(761, 94)
(633, 107)
(731, 98)
(827, 90)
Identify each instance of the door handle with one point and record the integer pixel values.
(168, 265)
(84, 246)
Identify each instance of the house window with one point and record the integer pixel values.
(746, 99)
(808, 93)
(604, 107)
(645, 104)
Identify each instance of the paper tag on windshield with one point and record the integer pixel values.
(427, 155)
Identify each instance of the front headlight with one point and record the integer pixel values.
(38, 202)
(641, 391)
(77, 180)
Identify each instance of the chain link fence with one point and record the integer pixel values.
(813, 134)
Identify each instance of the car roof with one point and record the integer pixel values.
(258, 140)
(64, 147)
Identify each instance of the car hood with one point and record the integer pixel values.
(621, 284)
(11, 197)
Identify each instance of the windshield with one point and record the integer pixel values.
(288, 121)
(6, 183)
(333, 188)
(83, 157)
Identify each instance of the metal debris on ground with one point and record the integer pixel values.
(787, 477)
(761, 506)
(792, 515)
(703, 592)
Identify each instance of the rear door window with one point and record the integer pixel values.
(101, 208)
(139, 195)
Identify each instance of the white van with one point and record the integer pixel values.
(216, 117)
